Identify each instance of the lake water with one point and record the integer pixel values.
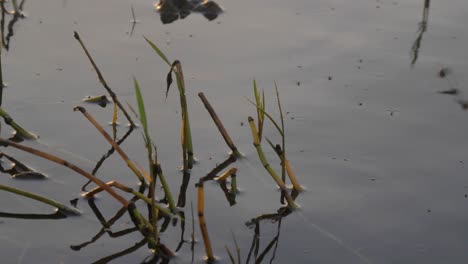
(382, 154)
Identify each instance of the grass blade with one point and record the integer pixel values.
(158, 51)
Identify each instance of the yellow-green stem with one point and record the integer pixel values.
(267, 166)
(62, 208)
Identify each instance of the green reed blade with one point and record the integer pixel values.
(158, 51)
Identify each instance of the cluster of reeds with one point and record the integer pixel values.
(280, 149)
(160, 213)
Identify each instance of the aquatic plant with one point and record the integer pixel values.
(160, 213)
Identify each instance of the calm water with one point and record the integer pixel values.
(382, 154)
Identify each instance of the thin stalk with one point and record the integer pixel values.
(67, 164)
(283, 138)
(220, 126)
(187, 135)
(114, 122)
(187, 146)
(127, 189)
(21, 131)
(122, 154)
(62, 208)
(267, 166)
(142, 224)
(165, 186)
(202, 222)
(151, 159)
(103, 81)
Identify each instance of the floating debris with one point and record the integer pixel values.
(100, 100)
(171, 10)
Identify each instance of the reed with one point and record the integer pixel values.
(141, 175)
(202, 222)
(186, 138)
(67, 164)
(127, 189)
(61, 207)
(23, 133)
(266, 165)
(103, 81)
(281, 151)
(219, 125)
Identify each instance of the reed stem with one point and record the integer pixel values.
(67, 164)
(267, 166)
(119, 150)
(202, 222)
(220, 126)
(103, 81)
(61, 207)
(21, 131)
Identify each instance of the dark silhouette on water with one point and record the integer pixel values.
(422, 29)
(171, 10)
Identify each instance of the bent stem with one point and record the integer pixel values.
(61, 207)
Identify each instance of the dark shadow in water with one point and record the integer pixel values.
(107, 155)
(422, 29)
(121, 253)
(230, 196)
(16, 14)
(19, 170)
(171, 10)
(106, 225)
(272, 246)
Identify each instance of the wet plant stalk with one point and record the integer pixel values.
(67, 164)
(122, 154)
(124, 188)
(267, 166)
(187, 134)
(153, 211)
(230, 173)
(165, 186)
(103, 81)
(187, 146)
(220, 126)
(62, 208)
(202, 222)
(143, 225)
(21, 131)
